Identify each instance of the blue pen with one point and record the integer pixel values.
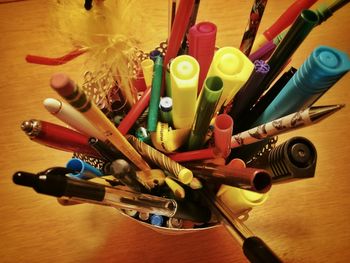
(320, 71)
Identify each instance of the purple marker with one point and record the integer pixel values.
(249, 93)
(261, 52)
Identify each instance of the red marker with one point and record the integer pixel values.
(285, 20)
(201, 46)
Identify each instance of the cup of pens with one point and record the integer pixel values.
(188, 141)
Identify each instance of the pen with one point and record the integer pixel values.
(135, 112)
(89, 192)
(300, 29)
(106, 150)
(72, 117)
(58, 137)
(267, 49)
(293, 159)
(319, 72)
(326, 9)
(64, 86)
(171, 14)
(323, 10)
(250, 92)
(254, 20)
(181, 20)
(286, 19)
(184, 46)
(264, 101)
(155, 95)
(161, 160)
(254, 248)
(253, 179)
(194, 155)
(206, 105)
(287, 123)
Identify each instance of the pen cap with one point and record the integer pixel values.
(83, 169)
(184, 73)
(240, 201)
(322, 69)
(234, 68)
(295, 158)
(222, 134)
(147, 69)
(201, 46)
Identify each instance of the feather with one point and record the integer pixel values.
(110, 32)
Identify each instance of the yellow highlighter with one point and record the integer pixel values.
(234, 68)
(184, 74)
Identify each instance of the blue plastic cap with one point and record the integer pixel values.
(157, 220)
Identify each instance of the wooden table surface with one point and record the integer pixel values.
(304, 221)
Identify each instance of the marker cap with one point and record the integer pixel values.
(147, 69)
(222, 134)
(321, 70)
(184, 73)
(240, 201)
(234, 68)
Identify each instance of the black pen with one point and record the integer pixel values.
(60, 185)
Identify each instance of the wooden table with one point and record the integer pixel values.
(304, 221)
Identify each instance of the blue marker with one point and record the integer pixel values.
(156, 220)
(320, 71)
(83, 169)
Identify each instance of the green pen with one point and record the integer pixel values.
(155, 95)
(208, 99)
